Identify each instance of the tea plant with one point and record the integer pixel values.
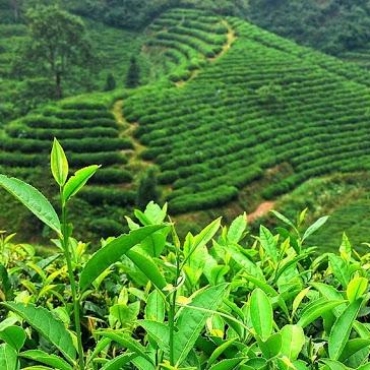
(219, 300)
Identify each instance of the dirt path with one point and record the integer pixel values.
(260, 211)
(127, 130)
(231, 37)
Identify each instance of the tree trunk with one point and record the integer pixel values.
(58, 85)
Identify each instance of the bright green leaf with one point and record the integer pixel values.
(47, 359)
(353, 346)
(316, 309)
(356, 288)
(228, 364)
(119, 361)
(314, 227)
(159, 332)
(237, 229)
(342, 328)
(77, 181)
(268, 243)
(292, 341)
(43, 321)
(112, 253)
(271, 347)
(15, 336)
(261, 314)
(155, 308)
(148, 267)
(33, 199)
(8, 357)
(58, 163)
(126, 342)
(192, 318)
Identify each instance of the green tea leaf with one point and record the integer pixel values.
(314, 227)
(77, 181)
(43, 321)
(47, 359)
(148, 267)
(261, 314)
(33, 199)
(8, 357)
(220, 350)
(112, 253)
(15, 336)
(271, 347)
(316, 309)
(268, 243)
(5, 284)
(155, 308)
(58, 163)
(352, 347)
(356, 288)
(126, 342)
(292, 341)
(237, 229)
(190, 321)
(159, 332)
(333, 365)
(228, 364)
(119, 361)
(342, 328)
(345, 248)
(341, 269)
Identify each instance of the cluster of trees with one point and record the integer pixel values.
(333, 26)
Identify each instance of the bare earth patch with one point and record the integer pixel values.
(260, 211)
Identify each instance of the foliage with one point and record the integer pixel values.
(58, 40)
(218, 300)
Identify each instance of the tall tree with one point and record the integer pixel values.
(58, 42)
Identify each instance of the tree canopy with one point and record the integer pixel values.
(58, 42)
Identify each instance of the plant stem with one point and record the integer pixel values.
(72, 281)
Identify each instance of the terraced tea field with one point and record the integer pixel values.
(263, 104)
(230, 107)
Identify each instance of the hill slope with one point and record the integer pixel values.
(236, 114)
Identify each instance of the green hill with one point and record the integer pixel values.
(232, 115)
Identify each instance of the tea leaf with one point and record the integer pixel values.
(112, 253)
(126, 342)
(316, 309)
(340, 269)
(261, 314)
(293, 340)
(356, 288)
(47, 325)
(159, 332)
(219, 351)
(353, 346)
(58, 163)
(8, 357)
(314, 227)
(341, 329)
(228, 364)
(268, 243)
(237, 229)
(345, 248)
(333, 365)
(77, 181)
(43, 357)
(15, 336)
(148, 267)
(190, 322)
(271, 347)
(155, 308)
(33, 199)
(119, 361)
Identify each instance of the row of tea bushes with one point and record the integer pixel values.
(184, 40)
(89, 134)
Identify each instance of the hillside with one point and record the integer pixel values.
(233, 116)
